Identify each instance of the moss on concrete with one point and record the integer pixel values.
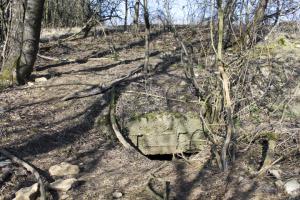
(167, 132)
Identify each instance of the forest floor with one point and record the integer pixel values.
(41, 128)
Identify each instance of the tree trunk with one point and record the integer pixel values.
(126, 15)
(228, 20)
(13, 46)
(147, 35)
(252, 28)
(226, 86)
(31, 38)
(136, 14)
(23, 41)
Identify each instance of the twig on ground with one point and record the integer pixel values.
(29, 168)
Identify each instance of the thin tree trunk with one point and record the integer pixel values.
(147, 35)
(226, 86)
(136, 14)
(252, 28)
(126, 15)
(228, 18)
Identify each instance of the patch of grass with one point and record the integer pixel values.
(281, 41)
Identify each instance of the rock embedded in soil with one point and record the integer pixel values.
(28, 193)
(63, 185)
(40, 80)
(30, 84)
(292, 188)
(64, 169)
(117, 195)
(64, 196)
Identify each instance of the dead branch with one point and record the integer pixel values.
(29, 168)
(87, 92)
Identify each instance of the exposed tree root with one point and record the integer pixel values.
(29, 168)
(114, 124)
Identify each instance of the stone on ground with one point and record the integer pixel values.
(63, 185)
(28, 193)
(292, 188)
(117, 195)
(40, 80)
(64, 169)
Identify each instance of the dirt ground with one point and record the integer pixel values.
(38, 126)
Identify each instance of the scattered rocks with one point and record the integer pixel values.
(292, 188)
(28, 193)
(64, 169)
(41, 79)
(63, 185)
(117, 195)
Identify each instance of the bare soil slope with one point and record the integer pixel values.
(38, 126)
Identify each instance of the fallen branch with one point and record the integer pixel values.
(87, 92)
(29, 168)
